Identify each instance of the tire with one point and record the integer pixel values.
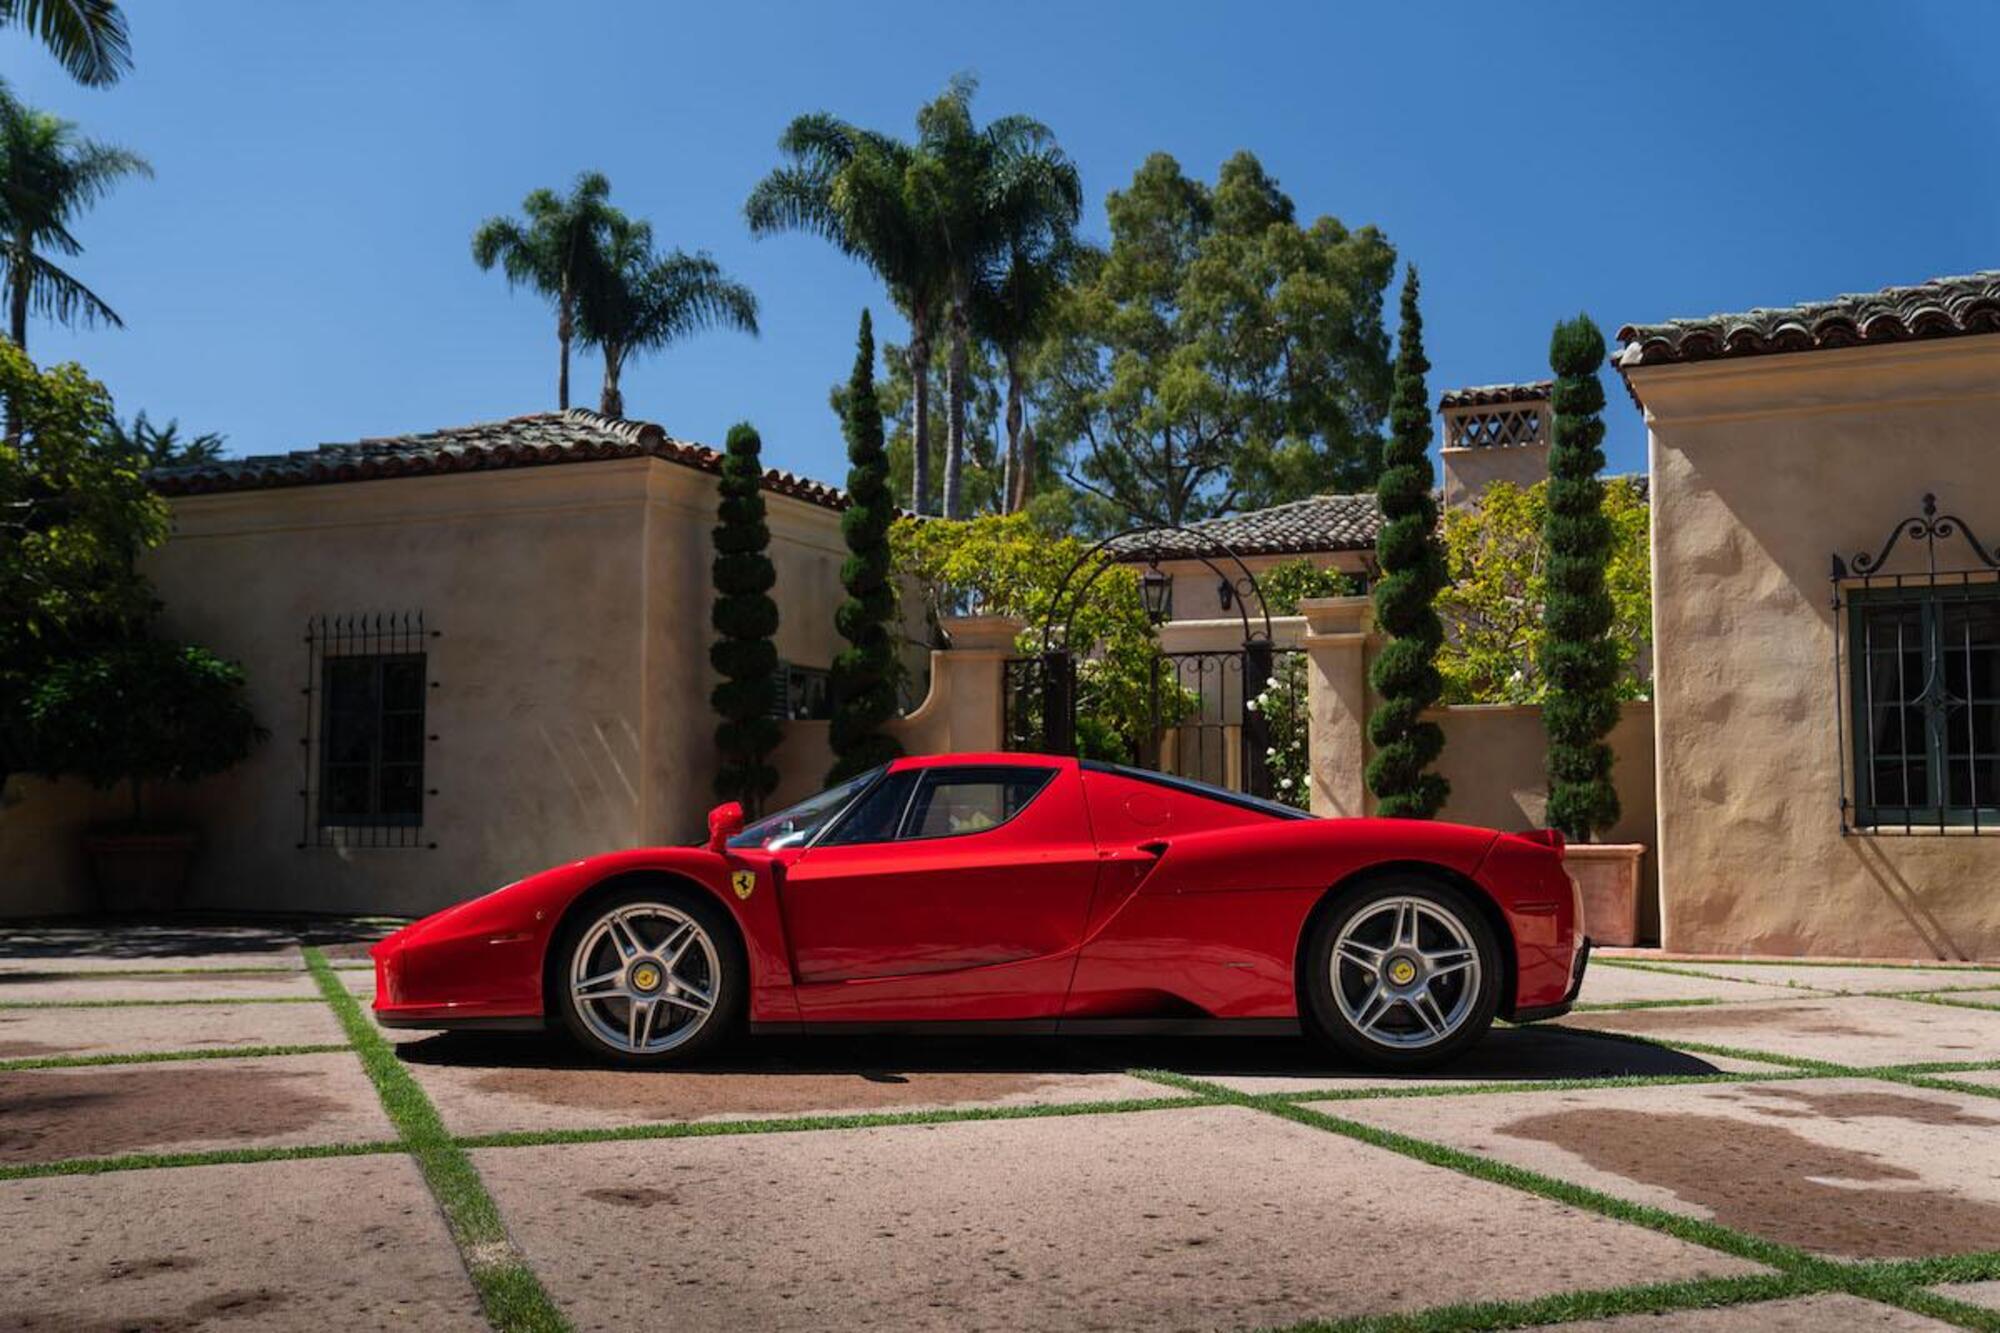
(1401, 1008)
(669, 948)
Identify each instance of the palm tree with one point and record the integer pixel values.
(151, 446)
(642, 302)
(1014, 311)
(557, 249)
(87, 36)
(49, 175)
(864, 191)
(989, 192)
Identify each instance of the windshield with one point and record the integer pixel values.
(797, 825)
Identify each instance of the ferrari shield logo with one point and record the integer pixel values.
(744, 882)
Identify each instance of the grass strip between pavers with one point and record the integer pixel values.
(1932, 1082)
(1667, 965)
(508, 1289)
(1898, 1283)
(1612, 1006)
(93, 973)
(95, 1166)
(1699, 1231)
(165, 1057)
(154, 1004)
(1707, 1048)
(1377, 1093)
(1799, 1272)
(1932, 1067)
(1946, 998)
(1571, 1306)
(700, 1129)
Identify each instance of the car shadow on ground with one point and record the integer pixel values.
(1532, 1054)
(141, 940)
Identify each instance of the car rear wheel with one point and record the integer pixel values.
(1403, 974)
(650, 975)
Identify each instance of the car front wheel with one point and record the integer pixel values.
(650, 976)
(1404, 974)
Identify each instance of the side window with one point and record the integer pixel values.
(955, 801)
(875, 816)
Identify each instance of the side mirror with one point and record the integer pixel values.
(724, 823)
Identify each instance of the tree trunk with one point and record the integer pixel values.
(17, 328)
(138, 812)
(565, 327)
(17, 303)
(955, 376)
(1029, 463)
(611, 402)
(920, 380)
(1017, 482)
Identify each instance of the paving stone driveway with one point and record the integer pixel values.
(200, 1126)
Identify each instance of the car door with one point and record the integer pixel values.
(948, 892)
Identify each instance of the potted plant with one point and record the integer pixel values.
(139, 712)
(1578, 656)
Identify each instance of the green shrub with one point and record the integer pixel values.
(140, 712)
(1578, 656)
(746, 618)
(1405, 673)
(865, 673)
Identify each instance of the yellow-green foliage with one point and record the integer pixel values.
(1013, 567)
(1492, 609)
(1285, 586)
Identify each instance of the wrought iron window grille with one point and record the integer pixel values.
(1916, 658)
(364, 748)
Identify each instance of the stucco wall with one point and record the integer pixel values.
(1763, 468)
(1197, 595)
(571, 707)
(1467, 472)
(1495, 759)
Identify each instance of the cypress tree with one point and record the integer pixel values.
(1405, 675)
(864, 675)
(1579, 660)
(745, 617)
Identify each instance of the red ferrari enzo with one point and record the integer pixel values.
(1021, 893)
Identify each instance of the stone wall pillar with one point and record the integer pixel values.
(966, 707)
(1338, 642)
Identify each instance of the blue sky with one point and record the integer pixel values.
(298, 271)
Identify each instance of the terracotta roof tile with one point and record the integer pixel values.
(540, 439)
(1302, 527)
(1940, 308)
(1322, 523)
(1489, 395)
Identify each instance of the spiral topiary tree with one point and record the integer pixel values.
(746, 618)
(864, 674)
(1405, 674)
(1579, 659)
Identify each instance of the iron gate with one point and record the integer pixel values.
(1232, 717)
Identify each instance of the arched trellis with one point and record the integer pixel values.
(1143, 544)
(1152, 554)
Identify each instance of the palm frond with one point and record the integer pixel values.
(687, 294)
(793, 199)
(55, 294)
(87, 36)
(95, 167)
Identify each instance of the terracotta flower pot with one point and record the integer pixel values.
(1607, 874)
(139, 872)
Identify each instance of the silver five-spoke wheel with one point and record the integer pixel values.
(645, 978)
(1405, 973)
